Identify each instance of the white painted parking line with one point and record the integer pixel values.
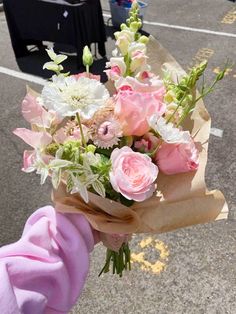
(23, 76)
(216, 132)
(184, 28)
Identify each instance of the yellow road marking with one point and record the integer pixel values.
(217, 70)
(159, 265)
(230, 17)
(201, 55)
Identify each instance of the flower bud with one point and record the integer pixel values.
(87, 57)
(144, 39)
(123, 26)
(134, 26)
(91, 148)
(169, 96)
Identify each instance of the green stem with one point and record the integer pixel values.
(121, 260)
(81, 130)
(207, 91)
(87, 68)
(187, 109)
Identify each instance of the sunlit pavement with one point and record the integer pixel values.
(192, 270)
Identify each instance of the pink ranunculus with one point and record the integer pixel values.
(134, 108)
(133, 174)
(88, 75)
(177, 158)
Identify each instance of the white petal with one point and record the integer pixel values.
(168, 132)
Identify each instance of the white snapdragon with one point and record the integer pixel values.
(123, 40)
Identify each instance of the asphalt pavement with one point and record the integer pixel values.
(188, 271)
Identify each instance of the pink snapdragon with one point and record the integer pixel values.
(133, 174)
(117, 68)
(138, 60)
(177, 158)
(133, 110)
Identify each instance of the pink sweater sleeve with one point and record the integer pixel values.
(44, 272)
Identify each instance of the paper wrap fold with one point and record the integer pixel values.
(182, 200)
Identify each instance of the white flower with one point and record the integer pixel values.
(168, 132)
(123, 40)
(134, 47)
(68, 95)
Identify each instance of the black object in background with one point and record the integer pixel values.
(32, 21)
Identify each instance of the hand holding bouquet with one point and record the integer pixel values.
(106, 153)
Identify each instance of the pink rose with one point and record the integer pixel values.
(133, 174)
(177, 158)
(133, 109)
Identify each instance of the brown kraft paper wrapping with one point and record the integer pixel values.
(182, 200)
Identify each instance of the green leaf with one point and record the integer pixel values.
(99, 188)
(56, 178)
(60, 58)
(60, 163)
(125, 201)
(52, 55)
(44, 175)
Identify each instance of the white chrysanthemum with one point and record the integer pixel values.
(168, 132)
(68, 95)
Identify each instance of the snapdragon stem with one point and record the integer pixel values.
(87, 68)
(81, 130)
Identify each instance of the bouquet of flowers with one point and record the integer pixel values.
(130, 155)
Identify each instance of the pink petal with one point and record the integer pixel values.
(34, 113)
(28, 159)
(34, 139)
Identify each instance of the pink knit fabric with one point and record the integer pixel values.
(44, 272)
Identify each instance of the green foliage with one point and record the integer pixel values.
(51, 149)
(184, 92)
(71, 151)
